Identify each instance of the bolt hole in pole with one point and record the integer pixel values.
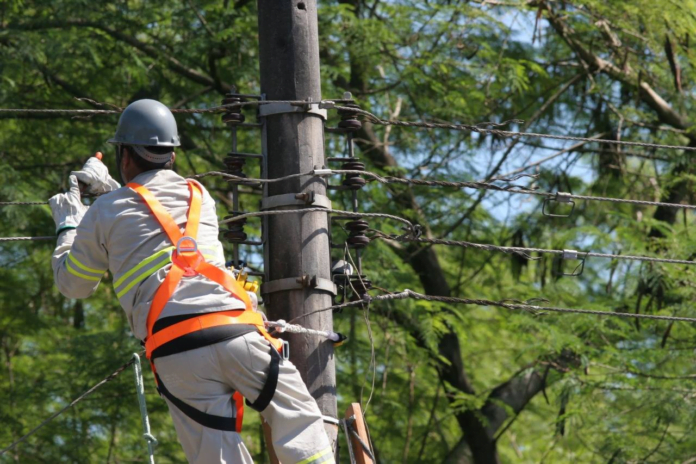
(301, 6)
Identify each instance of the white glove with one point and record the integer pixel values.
(95, 175)
(67, 208)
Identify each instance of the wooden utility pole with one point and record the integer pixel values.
(296, 250)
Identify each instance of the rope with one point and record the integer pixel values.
(536, 310)
(502, 133)
(282, 326)
(19, 239)
(140, 389)
(72, 403)
(525, 251)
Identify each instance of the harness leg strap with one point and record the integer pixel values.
(269, 388)
(227, 424)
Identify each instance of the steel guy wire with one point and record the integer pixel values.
(533, 309)
(70, 405)
(523, 251)
(502, 133)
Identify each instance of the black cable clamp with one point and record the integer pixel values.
(560, 197)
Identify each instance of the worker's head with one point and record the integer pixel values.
(145, 137)
(131, 162)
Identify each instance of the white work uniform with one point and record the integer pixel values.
(120, 234)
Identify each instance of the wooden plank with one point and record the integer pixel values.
(269, 442)
(354, 411)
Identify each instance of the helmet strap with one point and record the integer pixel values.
(119, 159)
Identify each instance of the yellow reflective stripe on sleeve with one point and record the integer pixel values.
(322, 456)
(145, 274)
(82, 266)
(141, 265)
(74, 272)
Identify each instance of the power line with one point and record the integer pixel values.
(26, 239)
(533, 309)
(72, 403)
(23, 203)
(502, 133)
(414, 228)
(525, 251)
(479, 185)
(212, 109)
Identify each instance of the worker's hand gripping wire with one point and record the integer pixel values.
(67, 208)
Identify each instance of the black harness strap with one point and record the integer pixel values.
(269, 388)
(227, 424)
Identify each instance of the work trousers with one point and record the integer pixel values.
(207, 377)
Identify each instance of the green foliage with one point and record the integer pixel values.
(614, 390)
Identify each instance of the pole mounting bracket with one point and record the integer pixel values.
(296, 199)
(299, 283)
(270, 109)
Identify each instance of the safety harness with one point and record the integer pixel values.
(200, 330)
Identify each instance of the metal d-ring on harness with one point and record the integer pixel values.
(201, 329)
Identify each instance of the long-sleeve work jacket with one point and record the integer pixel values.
(119, 233)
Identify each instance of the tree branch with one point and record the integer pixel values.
(172, 63)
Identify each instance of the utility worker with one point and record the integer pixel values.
(208, 347)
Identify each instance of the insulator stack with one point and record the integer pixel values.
(360, 285)
(356, 233)
(233, 115)
(349, 121)
(235, 165)
(354, 181)
(235, 232)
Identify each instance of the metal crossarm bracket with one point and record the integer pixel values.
(299, 283)
(561, 197)
(281, 108)
(571, 255)
(296, 199)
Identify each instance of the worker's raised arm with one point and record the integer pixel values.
(79, 261)
(80, 258)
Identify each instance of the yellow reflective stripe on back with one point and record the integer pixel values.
(141, 265)
(321, 456)
(79, 274)
(82, 266)
(145, 274)
(142, 276)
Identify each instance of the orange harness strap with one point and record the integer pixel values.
(188, 261)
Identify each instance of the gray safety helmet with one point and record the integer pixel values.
(147, 123)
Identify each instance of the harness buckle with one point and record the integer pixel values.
(286, 350)
(179, 259)
(184, 249)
